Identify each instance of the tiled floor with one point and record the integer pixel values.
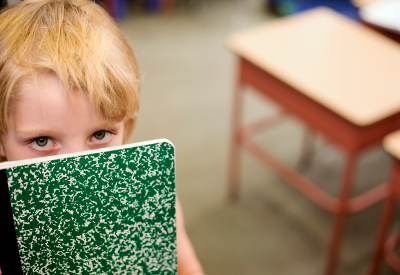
(188, 77)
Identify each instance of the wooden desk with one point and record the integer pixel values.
(385, 247)
(341, 79)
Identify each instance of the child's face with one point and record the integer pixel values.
(45, 121)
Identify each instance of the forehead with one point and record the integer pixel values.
(42, 102)
(45, 93)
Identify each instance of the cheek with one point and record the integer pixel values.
(7, 146)
(118, 139)
(12, 150)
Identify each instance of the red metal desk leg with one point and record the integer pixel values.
(386, 220)
(234, 154)
(341, 215)
(307, 148)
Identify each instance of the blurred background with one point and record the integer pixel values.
(188, 76)
(188, 79)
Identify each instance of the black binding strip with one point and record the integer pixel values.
(10, 262)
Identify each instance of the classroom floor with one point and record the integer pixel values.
(188, 77)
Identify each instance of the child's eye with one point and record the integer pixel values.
(42, 143)
(101, 135)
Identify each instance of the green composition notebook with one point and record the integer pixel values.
(107, 211)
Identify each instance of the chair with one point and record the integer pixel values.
(385, 247)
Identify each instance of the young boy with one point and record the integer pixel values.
(69, 82)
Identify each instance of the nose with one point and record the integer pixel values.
(75, 147)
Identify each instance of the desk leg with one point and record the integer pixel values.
(307, 149)
(234, 153)
(341, 214)
(386, 220)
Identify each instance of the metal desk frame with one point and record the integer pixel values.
(352, 139)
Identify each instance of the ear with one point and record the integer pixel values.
(2, 151)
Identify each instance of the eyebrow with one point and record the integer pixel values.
(49, 132)
(43, 132)
(106, 124)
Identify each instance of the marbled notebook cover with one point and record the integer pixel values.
(110, 212)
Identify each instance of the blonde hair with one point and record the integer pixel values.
(77, 41)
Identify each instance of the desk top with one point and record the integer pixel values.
(391, 143)
(348, 68)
